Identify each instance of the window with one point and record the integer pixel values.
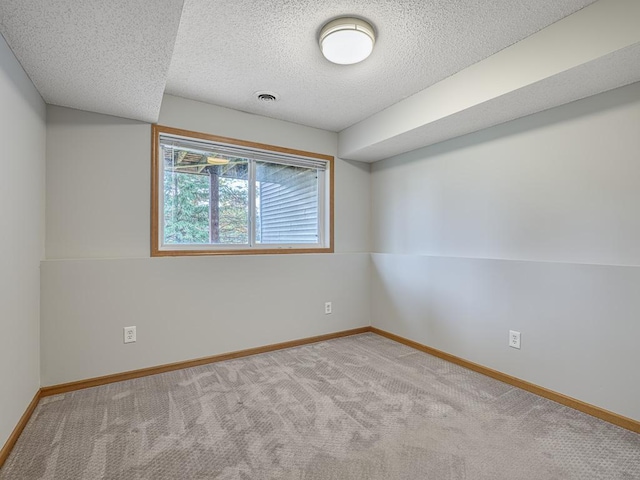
(215, 195)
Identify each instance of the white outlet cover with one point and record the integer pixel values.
(514, 339)
(129, 334)
(327, 308)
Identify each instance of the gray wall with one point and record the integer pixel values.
(98, 277)
(530, 225)
(533, 226)
(22, 136)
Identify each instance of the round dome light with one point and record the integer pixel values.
(347, 40)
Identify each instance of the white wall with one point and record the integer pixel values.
(98, 185)
(532, 225)
(98, 277)
(352, 185)
(190, 307)
(22, 136)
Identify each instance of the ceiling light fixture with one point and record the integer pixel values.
(347, 40)
(217, 161)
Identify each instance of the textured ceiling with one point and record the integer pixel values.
(103, 56)
(610, 71)
(559, 64)
(226, 51)
(440, 68)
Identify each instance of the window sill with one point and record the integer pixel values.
(252, 251)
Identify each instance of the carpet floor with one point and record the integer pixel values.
(361, 407)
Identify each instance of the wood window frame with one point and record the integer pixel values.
(156, 251)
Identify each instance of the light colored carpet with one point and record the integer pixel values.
(361, 407)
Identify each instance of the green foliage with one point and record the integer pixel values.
(186, 209)
(234, 201)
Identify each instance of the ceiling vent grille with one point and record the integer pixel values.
(267, 97)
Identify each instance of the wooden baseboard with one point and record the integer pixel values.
(119, 377)
(611, 417)
(601, 413)
(13, 438)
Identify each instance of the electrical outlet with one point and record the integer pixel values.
(327, 308)
(514, 339)
(129, 334)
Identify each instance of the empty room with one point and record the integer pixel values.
(393, 239)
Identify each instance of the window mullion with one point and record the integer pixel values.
(252, 203)
(292, 207)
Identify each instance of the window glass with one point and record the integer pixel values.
(225, 197)
(286, 204)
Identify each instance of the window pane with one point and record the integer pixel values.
(186, 208)
(206, 198)
(233, 210)
(286, 204)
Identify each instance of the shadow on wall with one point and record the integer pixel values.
(570, 316)
(17, 77)
(547, 118)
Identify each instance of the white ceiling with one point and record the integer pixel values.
(226, 51)
(102, 56)
(119, 56)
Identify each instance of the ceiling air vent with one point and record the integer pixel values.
(267, 97)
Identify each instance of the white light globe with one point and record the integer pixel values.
(347, 40)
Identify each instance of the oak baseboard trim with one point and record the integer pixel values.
(13, 438)
(119, 377)
(601, 413)
(606, 415)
